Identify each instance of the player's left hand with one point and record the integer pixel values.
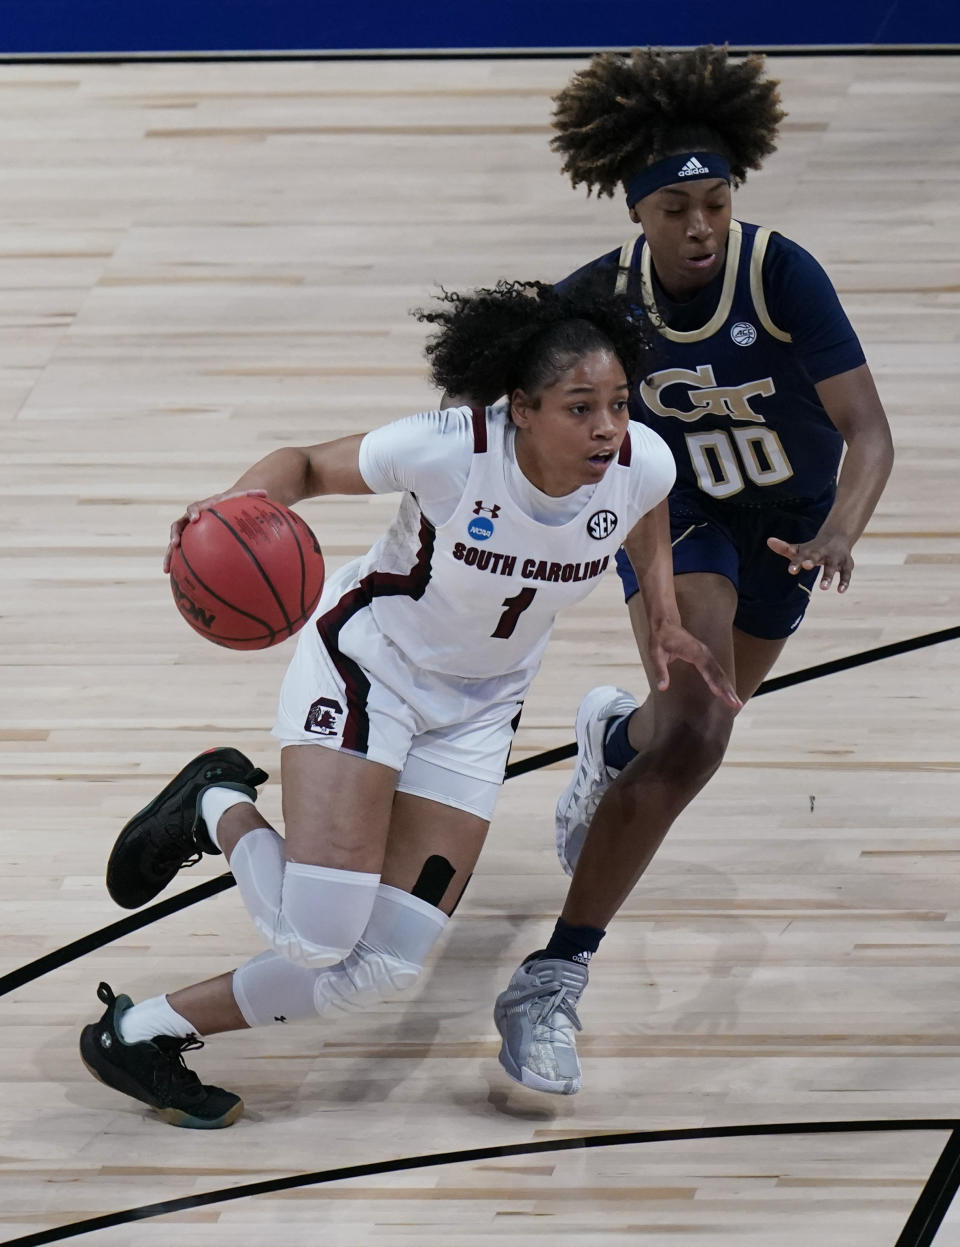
(831, 551)
(671, 643)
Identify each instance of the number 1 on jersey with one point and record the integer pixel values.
(515, 607)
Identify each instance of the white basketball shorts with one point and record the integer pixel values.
(448, 737)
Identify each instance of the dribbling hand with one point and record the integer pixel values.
(192, 514)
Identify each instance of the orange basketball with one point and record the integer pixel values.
(247, 574)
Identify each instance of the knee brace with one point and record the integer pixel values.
(323, 912)
(387, 960)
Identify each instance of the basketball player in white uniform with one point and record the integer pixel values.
(399, 706)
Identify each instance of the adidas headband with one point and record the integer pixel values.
(684, 167)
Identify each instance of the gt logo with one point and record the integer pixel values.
(601, 524)
(704, 396)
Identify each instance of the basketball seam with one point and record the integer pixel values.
(213, 593)
(284, 514)
(253, 559)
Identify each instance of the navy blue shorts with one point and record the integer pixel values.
(732, 541)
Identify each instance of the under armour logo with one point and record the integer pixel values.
(493, 511)
(281, 1018)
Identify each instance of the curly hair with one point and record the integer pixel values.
(525, 335)
(623, 113)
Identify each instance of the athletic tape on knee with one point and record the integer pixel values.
(387, 960)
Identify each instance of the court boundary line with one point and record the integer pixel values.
(221, 883)
(921, 1226)
(933, 1202)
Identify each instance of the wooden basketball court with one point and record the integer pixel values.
(200, 262)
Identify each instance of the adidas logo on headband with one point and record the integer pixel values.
(664, 172)
(693, 167)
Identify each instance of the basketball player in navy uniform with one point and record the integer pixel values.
(758, 383)
(399, 705)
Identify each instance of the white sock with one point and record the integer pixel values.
(153, 1017)
(214, 802)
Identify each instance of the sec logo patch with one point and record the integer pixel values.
(601, 524)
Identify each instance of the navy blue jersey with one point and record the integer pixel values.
(732, 391)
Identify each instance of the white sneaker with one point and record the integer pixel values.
(591, 776)
(537, 1019)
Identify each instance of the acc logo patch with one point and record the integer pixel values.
(601, 524)
(480, 529)
(743, 333)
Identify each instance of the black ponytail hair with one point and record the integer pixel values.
(525, 335)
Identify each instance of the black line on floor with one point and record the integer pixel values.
(935, 1198)
(406, 1164)
(836, 665)
(858, 660)
(106, 935)
(210, 887)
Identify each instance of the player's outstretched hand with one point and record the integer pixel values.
(192, 514)
(831, 551)
(671, 643)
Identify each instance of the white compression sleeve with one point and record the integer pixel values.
(387, 959)
(312, 915)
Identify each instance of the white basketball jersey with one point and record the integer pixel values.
(476, 596)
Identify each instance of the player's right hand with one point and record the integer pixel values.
(829, 551)
(192, 514)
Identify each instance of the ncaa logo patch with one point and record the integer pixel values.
(743, 333)
(601, 524)
(480, 529)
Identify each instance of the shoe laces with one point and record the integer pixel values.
(173, 851)
(591, 783)
(172, 1074)
(545, 1002)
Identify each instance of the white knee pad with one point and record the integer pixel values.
(387, 960)
(323, 913)
(313, 915)
(389, 956)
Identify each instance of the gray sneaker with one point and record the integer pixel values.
(536, 1017)
(591, 777)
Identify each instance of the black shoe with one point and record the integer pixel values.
(170, 833)
(153, 1071)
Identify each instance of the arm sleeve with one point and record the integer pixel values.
(801, 300)
(427, 454)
